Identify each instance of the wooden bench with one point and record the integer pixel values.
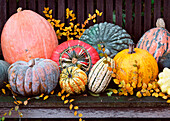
(144, 14)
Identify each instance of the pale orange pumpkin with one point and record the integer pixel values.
(27, 35)
(135, 65)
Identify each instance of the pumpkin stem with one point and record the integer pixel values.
(19, 9)
(131, 48)
(31, 63)
(160, 23)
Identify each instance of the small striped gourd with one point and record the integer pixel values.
(73, 80)
(109, 36)
(34, 77)
(99, 76)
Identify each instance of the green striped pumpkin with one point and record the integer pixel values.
(99, 76)
(110, 36)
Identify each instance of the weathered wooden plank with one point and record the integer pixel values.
(22, 3)
(71, 6)
(138, 21)
(109, 11)
(167, 14)
(147, 15)
(12, 7)
(157, 10)
(61, 10)
(41, 5)
(90, 101)
(91, 112)
(32, 5)
(119, 12)
(128, 9)
(90, 10)
(80, 11)
(100, 7)
(51, 4)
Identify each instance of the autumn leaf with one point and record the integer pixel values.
(63, 97)
(59, 94)
(80, 119)
(71, 106)
(41, 95)
(80, 115)
(5, 114)
(116, 81)
(138, 94)
(19, 102)
(67, 95)
(50, 12)
(168, 101)
(75, 113)
(76, 107)
(66, 101)
(3, 90)
(16, 108)
(52, 92)
(109, 68)
(71, 100)
(26, 102)
(115, 91)
(46, 97)
(94, 20)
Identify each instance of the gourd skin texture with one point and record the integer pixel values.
(99, 76)
(139, 67)
(3, 72)
(86, 56)
(27, 35)
(73, 80)
(110, 36)
(164, 81)
(156, 41)
(41, 77)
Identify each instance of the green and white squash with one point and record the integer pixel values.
(110, 36)
(99, 76)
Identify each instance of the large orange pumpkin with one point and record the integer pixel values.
(135, 65)
(27, 35)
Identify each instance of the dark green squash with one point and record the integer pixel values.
(164, 61)
(110, 36)
(3, 72)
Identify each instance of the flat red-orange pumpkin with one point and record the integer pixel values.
(27, 35)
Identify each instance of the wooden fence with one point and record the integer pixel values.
(139, 15)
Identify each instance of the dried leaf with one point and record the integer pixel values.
(75, 113)
(71, 106)
(37, 97)
(8, 86)
(50, 12)
(116, 81)
(5, 114)
(71, 100)
(59, 94)
(94, 20)
(26, 102)
(138, 94)
(41, 95)
(3, 90)
(80, 115)
(16, 108)
(168, 101)
(67, 95)
(46, 97)
(19, 102)
(66, 101)
(115, 91)
(76, 107)
(62, 91)
(52, 92)
(63, 97)
(113, 75)
(144, 86)
(80, 119)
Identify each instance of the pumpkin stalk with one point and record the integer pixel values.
(131, 48)
(160, 23)
(19, 9)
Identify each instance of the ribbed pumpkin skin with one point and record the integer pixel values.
(99, 76)
(85, 54)
(110, 36)
(3, 72)
(156, 41)
(164, 61)
(73, 80)
(139, 67)
(41, 77)
(27, 35)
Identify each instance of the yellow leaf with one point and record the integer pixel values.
(3, 90)
(63, 97)
(46, 97)
(67, 95)
(168, 101)
(62, 91)
(100, 14)
(113, 75)
(116, 81)
(144, 86)
(66, 101)
(26, 102)
(115, 91)
(76, 107)
(109, 68)
(8, 86)
(52, 92)
(5, 114)
(71, 106)
(50, 12)
(138, 94)
(97, 12)
(89, 15)
(94, 20)
(80, 119)
(41, 95)
(165, 97)
(15, 102)
(71, 100)
(19, 102)
(75, 113)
